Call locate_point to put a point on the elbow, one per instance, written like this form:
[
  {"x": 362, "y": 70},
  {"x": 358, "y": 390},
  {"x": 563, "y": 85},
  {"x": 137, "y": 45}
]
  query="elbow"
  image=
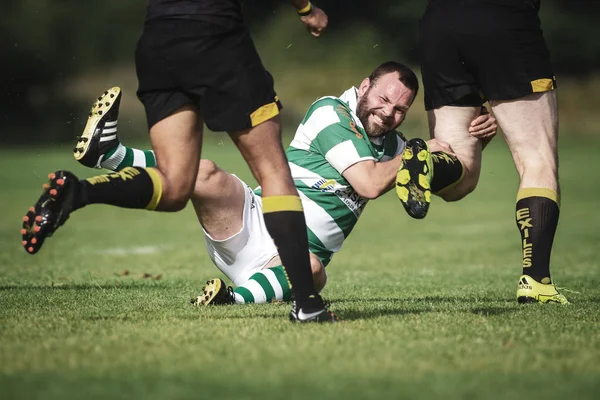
[{"x": 369, "y": 192}]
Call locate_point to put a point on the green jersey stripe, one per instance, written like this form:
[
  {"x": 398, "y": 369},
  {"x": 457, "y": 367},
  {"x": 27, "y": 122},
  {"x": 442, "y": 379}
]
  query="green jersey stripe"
[
  {"x": 321, "y": 223},
  {"x": 336, "y": 197},
  {"x": 318, "y": 248},
  {"x": 320, "y": 119}
]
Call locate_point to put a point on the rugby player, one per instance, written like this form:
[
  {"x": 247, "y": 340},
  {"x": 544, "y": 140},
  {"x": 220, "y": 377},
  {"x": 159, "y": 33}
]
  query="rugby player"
[
  {"x": 196, "y": 63},
  {"x": 345, "y": 152},
  {"x": 494, "y": 50}
]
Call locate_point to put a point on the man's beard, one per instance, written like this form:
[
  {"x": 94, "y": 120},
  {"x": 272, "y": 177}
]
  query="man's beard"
[{"x": 363, "y": 112}]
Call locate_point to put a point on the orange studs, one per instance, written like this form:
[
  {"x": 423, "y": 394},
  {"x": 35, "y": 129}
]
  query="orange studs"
[
  {"x": 38, "y": 218},
  {"x": 36, "y": 228},
  {"x": 45, "y": 186},
  {"x": 23, "y": 231},
  {"x": 30, "y": 249},
  {"x": 26, "y": 219},
  {"x": 51, "y": 176},
  {"x": 60, "y": 181},
  {"x": 24, "y": 242},
  {"x": 31, "y": 209},
  {"x": 53, "y": 192},
  {"x": 33, "y": 241}
]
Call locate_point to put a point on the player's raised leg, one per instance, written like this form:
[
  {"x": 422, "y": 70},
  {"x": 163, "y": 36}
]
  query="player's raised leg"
[
  {"x": 530, "y": 126},
  {"x": 176, "y": 140},
  {"x": 283, "y": 213},
  {"x": 455, "y": 177}
]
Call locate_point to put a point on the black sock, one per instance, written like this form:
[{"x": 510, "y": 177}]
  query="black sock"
[
  {"x": 132, "y": 187},
  {"x": 285, "y": 222},
  {"x": 447, "y": 171},
  {"x": 537, "y": 217}
]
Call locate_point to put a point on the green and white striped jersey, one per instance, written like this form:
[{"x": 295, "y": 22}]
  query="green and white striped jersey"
[{"x": 330, "y": 139}]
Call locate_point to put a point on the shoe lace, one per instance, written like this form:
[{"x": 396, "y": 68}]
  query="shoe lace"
[
  {"x": 230, "y": 295},
  {"x": 564, "y": 289}
]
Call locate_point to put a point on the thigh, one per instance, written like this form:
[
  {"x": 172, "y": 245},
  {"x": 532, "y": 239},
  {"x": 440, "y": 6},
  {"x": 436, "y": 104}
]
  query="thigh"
[
  {"x": 219, "y": 199},
  {"x": 246, "y": 251},
  {"x": 451, "y": 124},
  {"x": 176, "y": 141},
  {"x": 530, "y": 127}
]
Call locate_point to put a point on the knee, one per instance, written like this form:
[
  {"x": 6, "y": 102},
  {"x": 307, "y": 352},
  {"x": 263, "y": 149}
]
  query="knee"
[
  {"x": 318, "y": 273},
  {"x": 176, "y": 193},
  {"x": 206, "y": 171}
]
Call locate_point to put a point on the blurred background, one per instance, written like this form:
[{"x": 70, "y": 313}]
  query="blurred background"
[{"x": 57, "y": 56}]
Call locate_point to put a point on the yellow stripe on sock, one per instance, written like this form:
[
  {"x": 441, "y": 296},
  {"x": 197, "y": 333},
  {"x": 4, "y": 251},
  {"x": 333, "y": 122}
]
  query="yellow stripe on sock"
[
  {"x": 538, "y": 192},
  {"x": 157, "y": 188},
  {"x": 264, "y": 113},
  {"x": 281, "y": 203}
]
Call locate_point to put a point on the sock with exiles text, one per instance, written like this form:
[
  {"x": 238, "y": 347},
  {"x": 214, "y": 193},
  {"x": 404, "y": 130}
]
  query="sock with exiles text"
[
  {"x": 132, "y": 187},
  {"x": 537, "y": 213},
  {"x": 264, "y": 286},
  {"x": 284, "y": 219}
]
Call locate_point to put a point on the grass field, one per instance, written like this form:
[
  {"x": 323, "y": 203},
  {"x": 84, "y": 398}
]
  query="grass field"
[{"x": 429, "y": 306}]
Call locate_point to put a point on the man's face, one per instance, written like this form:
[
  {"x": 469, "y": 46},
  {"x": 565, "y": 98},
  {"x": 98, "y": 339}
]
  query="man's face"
[{"x": 382, "y": 106}]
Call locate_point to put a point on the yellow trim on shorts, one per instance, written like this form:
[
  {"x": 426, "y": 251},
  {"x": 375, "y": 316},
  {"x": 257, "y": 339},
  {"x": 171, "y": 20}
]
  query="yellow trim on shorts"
[
  {"x": 538, "y": 192},
  {"x": 281, "y": 203},
  {"x": 542, "y": 85},
  {"x": 305, "y": 9},
  {"x": 264, "y": 113},
  {"x": 156, "y": 188}
]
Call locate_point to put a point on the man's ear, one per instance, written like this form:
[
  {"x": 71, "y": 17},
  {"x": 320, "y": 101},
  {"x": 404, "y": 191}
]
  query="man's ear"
[{"x": 364, "y": 86}]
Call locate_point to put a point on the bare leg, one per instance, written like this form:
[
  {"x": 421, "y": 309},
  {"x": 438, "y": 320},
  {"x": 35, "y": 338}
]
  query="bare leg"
[
  {"x": 218, "y": 200},
  {"x": 177, "y": 142},
  {"x": 262, "y": 149},
  {"x": 451, "y": 124},
  {"x": 530, "y": 127}
]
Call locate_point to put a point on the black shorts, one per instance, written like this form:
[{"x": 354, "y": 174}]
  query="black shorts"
[
  {"x": 213, "y": 67},
  {"x": 477, "y": 50}
]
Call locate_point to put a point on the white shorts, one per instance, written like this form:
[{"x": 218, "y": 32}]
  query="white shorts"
[{"x": 242, "y": 255}]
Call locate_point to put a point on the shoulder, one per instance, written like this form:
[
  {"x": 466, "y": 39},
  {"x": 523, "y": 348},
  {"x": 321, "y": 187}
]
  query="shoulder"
[{"x": 331, "y": 107}]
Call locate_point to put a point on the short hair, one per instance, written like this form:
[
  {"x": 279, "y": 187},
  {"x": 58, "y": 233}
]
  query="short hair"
[{"x": 405, "y": 75}]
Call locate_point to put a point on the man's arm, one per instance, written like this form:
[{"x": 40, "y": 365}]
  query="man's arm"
[
  {"x": 314, "y": 18},
  {"x": 371, "y": 179}
]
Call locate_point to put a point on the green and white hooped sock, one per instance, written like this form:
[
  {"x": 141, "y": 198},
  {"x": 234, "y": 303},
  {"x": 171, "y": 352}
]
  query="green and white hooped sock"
[
  {"x": 264, "y": 286},
  {"x": 122, "y": 157}
]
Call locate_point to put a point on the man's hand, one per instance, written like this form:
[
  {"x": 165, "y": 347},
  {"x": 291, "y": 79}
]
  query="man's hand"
[
  {"x": 316, "y": 21},
  {"x": 484, "y": 127}
]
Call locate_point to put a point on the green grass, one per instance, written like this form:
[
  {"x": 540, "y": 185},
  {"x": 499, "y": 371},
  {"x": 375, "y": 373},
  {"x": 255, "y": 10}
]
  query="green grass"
[{"x": 429, "y": 306}]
